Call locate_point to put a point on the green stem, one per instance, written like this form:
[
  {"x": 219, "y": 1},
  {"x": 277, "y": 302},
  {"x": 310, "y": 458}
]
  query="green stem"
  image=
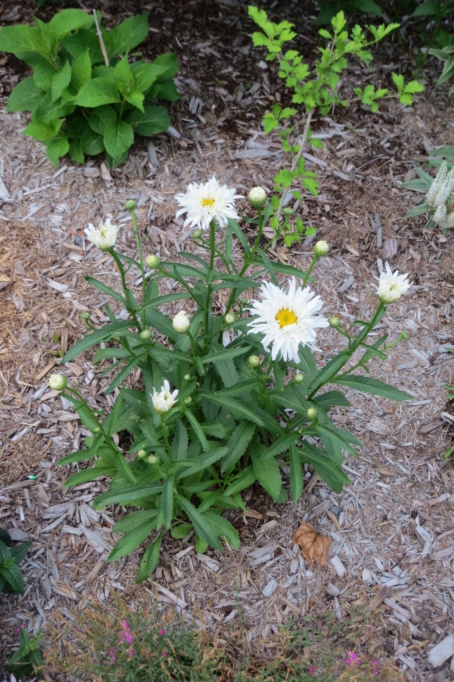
[
  {"x": 306, "y": 276},
  {"x": 142, "y": 269},
  {"x": 354, "y": 346},
  {"x": 125, "y": 288},
  {"x": 166, "y": 437},
  {"x": 210, "y": 278}
]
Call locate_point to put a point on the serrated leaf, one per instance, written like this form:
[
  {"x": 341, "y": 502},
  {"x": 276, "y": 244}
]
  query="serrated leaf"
[
  {"x": 25, "y": 96},
  {"x": 202, "y": 526},
  {"x": 150, "y": 560},
  {"x": 151, "y": 121},
  {"x": 81, "y": 71},
  {"x": 268, "y": 473},
  {"x": 60, "y": 81},
  {"x": 126, "y": 35},
  {"x": 131, "y": 540},
  {"x": 374, "y": 386},
  {"x": 57, "y": 147},
  {"x": 96, "y": 93}
]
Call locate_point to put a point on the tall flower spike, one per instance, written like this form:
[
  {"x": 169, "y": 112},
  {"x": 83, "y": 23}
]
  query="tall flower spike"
[
  {"x": 287, "y": 319},
  {"x": 104, "y": 236},
  {"x": 391, "y": 285},
  {"x": 204, "y": 203}
]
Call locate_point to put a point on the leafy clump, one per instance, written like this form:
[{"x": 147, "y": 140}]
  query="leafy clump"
[
  {"x": 84, "y": 98},
  {"x": 11, "y": 579}
]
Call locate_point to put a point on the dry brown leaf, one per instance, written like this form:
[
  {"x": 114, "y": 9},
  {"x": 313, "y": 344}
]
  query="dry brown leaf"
[{"x": 315, "y": 547}]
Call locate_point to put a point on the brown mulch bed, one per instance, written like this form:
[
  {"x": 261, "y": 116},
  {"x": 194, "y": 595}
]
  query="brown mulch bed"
[{"x": 391, "y": 530}]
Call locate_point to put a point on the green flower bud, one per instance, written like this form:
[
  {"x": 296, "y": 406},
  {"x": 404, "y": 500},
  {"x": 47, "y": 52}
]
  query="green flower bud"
[
  {"x": 312, "y": 413},
  {"x": 321, "y": 248},
  {"x": 130, "y": 205},
  {"x": 404, "y": 336},
  {"x": 58, "y": 382},
  {"x": 257, "y": 197},
  {"x": 244, "y": 301},
  {"x": 197, "y": 234},
  {"x": 141, "y": 454},
  {"x": 188, "y": 400},
  {"x": 288, "y": 211},
  {"x": 334, "y": 322},
  {"x": 254, "y": 361},
  {"x": 298, "y": 378},
  {"x": 230, "y": 318},
  {"x": 152, "y": 459},
  {"x": 152, "y": 261},
  {"x": 145, "y": 335},
  {"x": 187, "y": 377},
  {"x": 97, "y": 429},
  {"x": 85, "y": 316}
]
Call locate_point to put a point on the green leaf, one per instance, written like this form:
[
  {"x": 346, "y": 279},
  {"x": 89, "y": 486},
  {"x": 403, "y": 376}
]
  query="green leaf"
[
  {"x": 136, "y": 99},
  {"x": 267, "y": 472},
  {"x": 81, "y": 71},
  {"x": 245, "y": 479},
  {"x": 127, "y": 494},
  {"x": 42, "y": 131},
  {"x": 181, "y": 531},
  {"x": 169, "y": 63},
  {"x": 126, "y": 35},
  {"x": 131, "y": 540},
  {"x": 60, "y": 81},
  {"x": 235, "y": 406},
  {"x": 101, "y": 117},
  {"x": 91, "y": 143},
  {"x": 150, "y": 560},
  {"x": 197, "y": 429},
  {"x": 202, "y": 526},
  {"x": 118, "y": 137},
  {"x": 180, "y": 443},
  {"x": 296, "y": 474},
  {"x": 225, "y": 354},
  {"x": 329, "y": 471},
  {"x": 151, "y": 121},
  {"x": 282, "y": 444},
  {"x": 95, "y": 337},
  {"x": 430, "y": 8},
  {"x": 238, "y": 444},
  {"x": 19, "y": 552},
  {"x": 25, "y": 96},
  {"x": 144, "y": 75},
  {"x": 13, "y": 576},
  {"x": 123, "y": 76},
  {"x": 69, "y": 20},
  {"x": 58, "y": 146},
  {"x": 374, "y": 386},
  {"x": 17, "y": 39},
  {"x": 167, "y": 500},
  {"x": 97, "y": 92},
  {"x": 398, "y": 80}
]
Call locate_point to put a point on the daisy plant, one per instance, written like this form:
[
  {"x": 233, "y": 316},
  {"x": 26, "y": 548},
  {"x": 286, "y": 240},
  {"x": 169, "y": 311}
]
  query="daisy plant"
[{"x": 229, "y": 387}]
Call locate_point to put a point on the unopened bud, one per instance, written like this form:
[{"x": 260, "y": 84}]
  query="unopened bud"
[
  {"x": 152, "y": 261},
  {"x": 85, "y": 316},
  {"x": 197, "y": 234},
  {"x": 58, "y": 382},
  {"x": 141, "y": 454},
  {"x": 181, "y": 322},
  {"x": 312, "y": 413},
  {"x": 188, "y": 400},
  {"x": 321, "y": 248},
  {"x": 152, "y": 459},
  {"x": 298, "y": 378},
  {"x": 230, "y": 318},
  {"x": 288, "y": 211},
  {"x": 334, "y": 322},
  {"x": 244, "y": 301},
  {"x": 130, "y": 205},
  {"x": 404, "y": 336},
  {"x": 257, "y": 197},
  {"x": 97, "y": 429},
  {"x": 145, "y": 335},
  {"x": 254, "y": 361},
  {"x": 187, "y": 377}
]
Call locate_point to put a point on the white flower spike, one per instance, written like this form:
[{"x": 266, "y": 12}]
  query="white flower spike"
[
  {"x": 104, "y": 236},
  {"x": 391, "y": 285},
  {"x": 204, "y": 203},
  {"x": 181, "y": 322},
  {"x": 165, "y": 399},
  {"x": 287, "y": 319}
]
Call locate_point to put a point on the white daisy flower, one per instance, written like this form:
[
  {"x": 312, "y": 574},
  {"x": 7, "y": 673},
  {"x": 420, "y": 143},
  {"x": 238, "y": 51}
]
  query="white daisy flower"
[
  {"x": 165, "y": 399},
  {"x": 391, "y": 285},
  {"x": 287, "y": 320},
  {"x": 104, "y": 236},
  {"x": 204, "y": 203}
]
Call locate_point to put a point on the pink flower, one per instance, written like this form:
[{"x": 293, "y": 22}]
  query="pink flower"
[
  {"x": 164, "y": 654},
  {"x": 352, "y": 659},
  {"x": 131, "y": 652},
  {"x": 162, "y": 631},
  {"x": 312, "y": 670},
  {"x": 375, "y": 667},
  {"x": 125, "y": 624}
]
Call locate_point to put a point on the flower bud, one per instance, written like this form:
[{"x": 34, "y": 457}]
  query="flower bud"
[
  {"x": 97, "y": 429},
  {"x": 130, "y": 205},
  {"x": 257, "y": 197},
  {"x": 145, "y": 334},
  {"x": 254, "y": 361},
  {"x": 312, "y": 413},
  {"x": 58, "y": 382},
  {"x": 141, "y": 454},
  {"x": 334, "y": 322},
  {"x": 197, "y": 234},
  {"x": 187, "y": 377},
  {"x": 181, "y": 322},
  {"x": 404, "y": 336},
  {"x": 152, "y": 459},
  {"x": 288, "y": 211},
  {"x": 244, "y": 301},
  {"x": 298, "y": 378},
  {"x": 321, "y": 248},
  {"x": 188, "y": 400},
  {"x": 230, "y": 318},
  {"x": 85, "y": 316},
  {"x": 152, "y": 261}
]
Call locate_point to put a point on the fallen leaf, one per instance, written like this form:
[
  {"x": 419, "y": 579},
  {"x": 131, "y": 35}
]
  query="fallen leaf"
[{"x": 315, "y": 547}]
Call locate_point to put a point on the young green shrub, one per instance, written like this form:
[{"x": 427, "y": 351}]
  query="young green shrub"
[
  {"x": 85, "y": 95},
  {"x": 11, "y": 580},
  {"x": 316, "y": 91},
  {"x": 28, "y": 659},
  {"x": 228, "y": 400}
]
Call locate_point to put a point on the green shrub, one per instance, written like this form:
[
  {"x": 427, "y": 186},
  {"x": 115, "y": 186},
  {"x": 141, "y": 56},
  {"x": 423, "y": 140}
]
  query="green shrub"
[
  {"x": 85, "y": 98},
  {"x": 11, "y": 580}
]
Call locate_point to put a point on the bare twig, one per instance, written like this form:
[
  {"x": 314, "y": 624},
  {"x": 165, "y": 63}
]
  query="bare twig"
[{"x": 101, "y": 41}]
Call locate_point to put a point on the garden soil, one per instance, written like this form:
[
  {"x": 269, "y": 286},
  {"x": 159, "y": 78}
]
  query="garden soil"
[{"x": 389, "y": 582}]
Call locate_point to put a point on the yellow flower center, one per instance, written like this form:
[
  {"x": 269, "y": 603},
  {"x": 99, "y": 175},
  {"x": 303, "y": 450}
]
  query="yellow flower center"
[
  {"x": 286, "y": 317},
  {"x": 207, "y": 202}
]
